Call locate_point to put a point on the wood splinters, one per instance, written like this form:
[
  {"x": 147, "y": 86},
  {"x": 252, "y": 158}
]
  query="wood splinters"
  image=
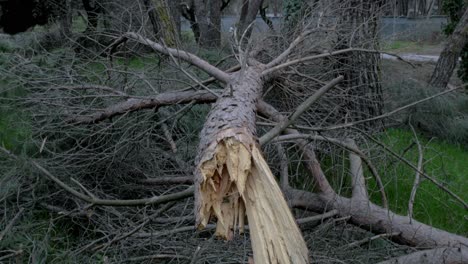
[{"x": 237, "y": 182}]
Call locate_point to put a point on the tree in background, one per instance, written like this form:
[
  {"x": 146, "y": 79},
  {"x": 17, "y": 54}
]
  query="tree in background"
[
  {"x": 455, "y": 46},
  {"x": 359, "y": 28},
  {"x": 454, "y": 10}
]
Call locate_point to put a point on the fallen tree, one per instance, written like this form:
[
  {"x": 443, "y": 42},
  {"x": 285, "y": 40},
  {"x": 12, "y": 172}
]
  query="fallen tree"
[{"x": 233, "y": 182}]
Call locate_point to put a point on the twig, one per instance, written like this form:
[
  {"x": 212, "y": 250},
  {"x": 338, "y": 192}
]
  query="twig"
[
  {"x": 346, "y": 146},
  {"x": 186, "y": 56},
  {"x": 105, "y": 202},
  {"x": 284, "y": 174},
  {"x": 351, "y": 124},
  {"x": 314, "y": 218},
  {"x": 11, "y": 224},
  {"x": 14, "y": 254},
  {"x": 168, "y": 137},
  {"x": 369, "y": 239},
  {"x": 299, "y": 110},
  {"x": 163, "y": 99},
  {"x": 323, "y": 55},
  {"x": 417, "y": 176},
  {"x": 157, "y": 256},
  {"x": 168, "y": 180}
]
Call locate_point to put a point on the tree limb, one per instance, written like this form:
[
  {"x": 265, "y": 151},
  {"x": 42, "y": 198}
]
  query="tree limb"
[
  {"x": 186, "y": 56},
  {"x": 299, "y": 110},
  {"x": 163, "y": 99}
]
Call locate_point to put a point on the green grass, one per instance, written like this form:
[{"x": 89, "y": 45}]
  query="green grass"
[
  {"x": 403, "y": 46},
  {"x": 448, "y": 163}
]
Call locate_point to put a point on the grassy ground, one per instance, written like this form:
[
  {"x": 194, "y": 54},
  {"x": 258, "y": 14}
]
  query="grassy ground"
[
  {"x": 444, "y": 161},
  {"x": 401, "y": 46}
]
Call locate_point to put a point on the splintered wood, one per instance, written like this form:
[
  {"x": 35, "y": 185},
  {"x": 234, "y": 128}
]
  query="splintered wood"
[{"x": 237, "y": 181}]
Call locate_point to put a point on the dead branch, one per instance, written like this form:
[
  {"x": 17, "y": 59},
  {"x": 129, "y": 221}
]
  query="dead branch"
[
  {"x": 300, "y": 109},
  {"x": 348, "y": 147},
  {"x": 271, "y": 70},
  {"x": 352, "y": 124},
  {"x": 163, "y": 99},
  {"x": 417, "y": 176},
  {"x": 284, "y": 173},
  {"x": 358, "y": 183},
  {"x": 310, "y": 159},
  {"x": 105, "y": 202},
  {"x": 11, "y": 224},
  {"x": 168, "y": 180},
  {"x": 186, "y": 56},
  {"x": 377, "y": 219},
  {"x": 369, "y": 239}
]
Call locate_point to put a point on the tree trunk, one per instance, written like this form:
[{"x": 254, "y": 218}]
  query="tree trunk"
[
  {"x": 450, "y": 54},
  {"x": 92, "y": 9},
  {"x": 249, "y": 11},
  {"x": 358, "y": 23},
  {"x": 233, "y": 179},
  {"x": 66, "y": 19},
  {"x": 208, "y": 19},
  {"x": 163, "y": 23}
]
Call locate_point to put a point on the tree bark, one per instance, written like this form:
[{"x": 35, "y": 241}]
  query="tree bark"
[
  {"x": 232, "y": 178},
  {"x": 163, "y": 21},
  {"x": 378, "y": 220},
  {"x": 249, "y": 11},
  {"x": 358, "y": 28},
  {"x": 450, "y": 54},
  {"x": 208, "y": 20}
]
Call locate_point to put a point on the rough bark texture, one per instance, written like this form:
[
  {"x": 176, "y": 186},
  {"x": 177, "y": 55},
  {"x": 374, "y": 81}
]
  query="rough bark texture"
[
  {"x": 163, "y": 21},
  {"x": 208, "y": 20},
  {"x": 360, "y": 69},
  {"x": 249, "y": 11},
  {"x": 450, "y": 54},
  {"x": 232, "y": 178}
]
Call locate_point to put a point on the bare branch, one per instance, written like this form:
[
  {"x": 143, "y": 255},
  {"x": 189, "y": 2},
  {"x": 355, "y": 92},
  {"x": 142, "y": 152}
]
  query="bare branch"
[
  {"x": 11, "y": 224},
  {"x": 186, "y": 56},
  {"x": 284, "y": 174},
  {"x": 354, "y": 149},
  {"x": 300, "y": 109},
  {"x": 369, "y": 239},
  {"x": 351, "y": 124},
  {"x": 310, "y": 159},
  {"x": 417, "y": 176},
  {"x": 358, "y": 184},
  {"x": 131, "y": 105},
  {"x": 319, "y": 56}
]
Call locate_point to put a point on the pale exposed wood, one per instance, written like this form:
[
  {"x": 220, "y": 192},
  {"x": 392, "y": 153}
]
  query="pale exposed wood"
[
  {"x": 232, "y": 178},
  {"x": 358, "y": 182}
]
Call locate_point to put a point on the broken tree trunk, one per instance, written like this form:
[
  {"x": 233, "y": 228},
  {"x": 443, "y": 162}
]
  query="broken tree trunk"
[{"x": 233, "y": 179}]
